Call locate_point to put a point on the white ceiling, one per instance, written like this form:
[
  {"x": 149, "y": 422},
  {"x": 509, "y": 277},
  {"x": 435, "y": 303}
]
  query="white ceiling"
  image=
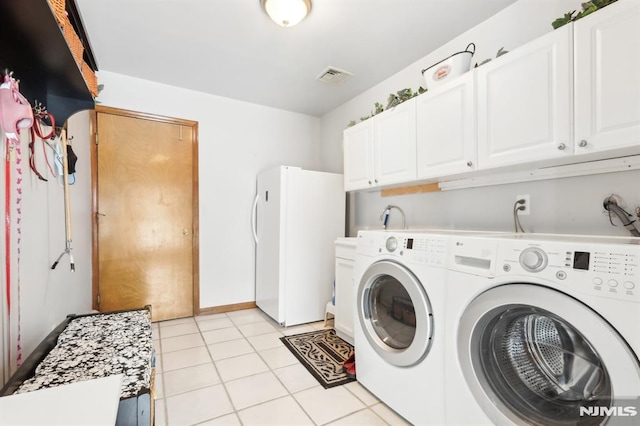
[{"x": 231, "y": 48}]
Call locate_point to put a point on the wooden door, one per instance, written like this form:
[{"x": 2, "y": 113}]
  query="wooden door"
[{"x": 146, "y": 213}]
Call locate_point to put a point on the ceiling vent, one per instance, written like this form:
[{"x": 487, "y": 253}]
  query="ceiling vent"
[{"x": 333, "y": 75}]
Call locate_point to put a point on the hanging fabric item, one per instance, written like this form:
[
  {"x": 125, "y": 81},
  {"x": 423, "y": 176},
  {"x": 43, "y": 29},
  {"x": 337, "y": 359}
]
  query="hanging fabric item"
[
  {"x": 72, "y": 159},
  {"x": 15, "y": 110},
  {"x": 40, "y": 114},
  {"x": 32, "y": 156},
  {"x": 7, "y": 230},
  {"x": 58, "y": 159},
  {"x": 15, "y": 115},
  {"x": 18, "y": 204},
  {"x": 61, "y": 153},
  {"x": 7, "y": 243}
]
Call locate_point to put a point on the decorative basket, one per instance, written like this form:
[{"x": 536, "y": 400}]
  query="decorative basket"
[
  {"x": 59, "y": 10},
  {"x": 445, "y": 70},
  {"x": 90, "y": 78},
  {"x": 77, "y": 49}
]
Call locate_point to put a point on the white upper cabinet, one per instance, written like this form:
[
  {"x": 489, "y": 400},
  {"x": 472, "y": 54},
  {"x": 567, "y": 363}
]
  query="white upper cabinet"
[
  {"x": 381, "y": 150},
  {"x": 607, "y": 78},
  {"x": 572, "y": 95},
  {"x": 395, "y": 144},
  {"x": 524, "y": 102},
  {"x": 358, "y": 156},
  {"x": 446, "y": 133}
]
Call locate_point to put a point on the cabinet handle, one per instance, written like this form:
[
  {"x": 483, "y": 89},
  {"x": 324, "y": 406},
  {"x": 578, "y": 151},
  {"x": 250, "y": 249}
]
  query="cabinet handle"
[
  {"x": 469, "y": 163},
  {"x": 376, "y": 180},
  {"x": 561, "y": 146},
  {"x": 369, "y": 182},
  {"x": 582, "y": 143}
]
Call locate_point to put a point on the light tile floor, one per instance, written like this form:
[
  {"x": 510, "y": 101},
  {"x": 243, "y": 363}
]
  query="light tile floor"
[{"x": 232, "y": 369}]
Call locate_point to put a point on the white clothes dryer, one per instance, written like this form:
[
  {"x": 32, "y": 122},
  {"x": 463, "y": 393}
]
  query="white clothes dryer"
[
  {"x": 543, "y": 330},
  {"x": 399, "y": 324}
]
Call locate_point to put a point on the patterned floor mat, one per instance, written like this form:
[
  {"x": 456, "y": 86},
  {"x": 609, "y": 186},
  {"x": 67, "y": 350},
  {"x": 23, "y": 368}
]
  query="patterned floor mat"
[{"x": 322, "y": 353}]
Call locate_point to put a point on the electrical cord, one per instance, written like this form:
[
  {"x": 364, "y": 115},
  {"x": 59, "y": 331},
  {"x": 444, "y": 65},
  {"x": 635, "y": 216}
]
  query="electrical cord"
[{"x": 518, "y": 206}]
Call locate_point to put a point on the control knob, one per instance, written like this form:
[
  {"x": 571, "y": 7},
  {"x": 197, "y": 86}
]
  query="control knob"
[
  {"x": 533, "y": 259},
  {"x": 391, "y": 244}
]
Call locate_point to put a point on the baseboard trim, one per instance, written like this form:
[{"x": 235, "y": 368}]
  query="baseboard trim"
[{"x": 226, "y": 308}]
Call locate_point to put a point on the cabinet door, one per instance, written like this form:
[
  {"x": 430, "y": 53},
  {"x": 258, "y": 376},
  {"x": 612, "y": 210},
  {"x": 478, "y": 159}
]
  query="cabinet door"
[
  {"x": 607, "y": 82},
  {"x": 446, "y": 134},
  {"x": 345, "y": 298},
  {"x": 358, "y": 156},
  {"x": 395, "y": 142},
  {"x": 524, "y": 102}
]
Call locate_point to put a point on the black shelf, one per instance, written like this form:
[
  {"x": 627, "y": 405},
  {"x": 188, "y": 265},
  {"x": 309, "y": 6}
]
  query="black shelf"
[{"x": 34, "y": 48}]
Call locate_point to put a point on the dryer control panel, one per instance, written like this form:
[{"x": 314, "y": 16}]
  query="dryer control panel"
[
  {"x": 425, "y": 249},
  {"x": 606, "y": 270}
]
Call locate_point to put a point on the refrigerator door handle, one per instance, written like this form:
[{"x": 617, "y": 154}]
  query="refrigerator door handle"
[{"x": 254, "y": 218}]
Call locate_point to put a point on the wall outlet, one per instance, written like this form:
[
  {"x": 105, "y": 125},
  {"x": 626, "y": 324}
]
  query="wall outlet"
[{"x": 527, "y": 204}]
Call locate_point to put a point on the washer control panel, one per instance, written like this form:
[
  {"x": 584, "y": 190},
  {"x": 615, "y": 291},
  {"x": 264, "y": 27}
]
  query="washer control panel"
[
  {"x": 607, "y": 270},
  {"x": 427, "y": 249}
]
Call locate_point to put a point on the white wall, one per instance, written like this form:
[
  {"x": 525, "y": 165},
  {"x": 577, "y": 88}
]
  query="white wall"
[
  {"x": 568, "y": 205},
  {"x": 562, "y": 205},
  {"x": 236, "y": 141},
  {"x": 47, "y": 296}
]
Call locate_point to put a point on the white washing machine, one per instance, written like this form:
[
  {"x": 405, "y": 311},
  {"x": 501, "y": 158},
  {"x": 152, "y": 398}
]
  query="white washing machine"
[
  {"x": 543, "y": 330},
  {"x": 399, "y": 324}
]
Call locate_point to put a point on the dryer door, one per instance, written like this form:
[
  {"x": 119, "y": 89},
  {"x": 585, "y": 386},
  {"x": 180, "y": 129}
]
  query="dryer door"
[
  {"x": 395, "y": 313},
  {"x": 535, "y": 355}
]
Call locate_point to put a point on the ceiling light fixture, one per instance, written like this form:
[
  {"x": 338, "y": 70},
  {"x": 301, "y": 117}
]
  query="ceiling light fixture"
[{"x": 287, "y": 12}]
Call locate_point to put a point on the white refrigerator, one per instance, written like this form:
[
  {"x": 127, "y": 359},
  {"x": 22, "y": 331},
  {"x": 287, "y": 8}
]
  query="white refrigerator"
[{"x": 297, "y": 216}]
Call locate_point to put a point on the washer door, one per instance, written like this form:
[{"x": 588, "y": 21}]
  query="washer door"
[
  {"x": 395, "y": 313},
  {"x": 533, "y": 354}
]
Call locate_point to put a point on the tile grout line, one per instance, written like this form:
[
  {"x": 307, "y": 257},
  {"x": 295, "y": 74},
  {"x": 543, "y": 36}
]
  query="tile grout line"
[
  {"x": 164, "y": 397},
  {"x": 285, "y": 387},
  {"x": 271, "y": 370},
  {"x": 257, "y": 352},
  {"x": 222, "y": 382}
]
